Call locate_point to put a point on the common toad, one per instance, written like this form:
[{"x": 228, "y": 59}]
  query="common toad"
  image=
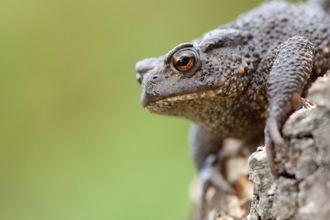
[{"x": 241, "y": 80}]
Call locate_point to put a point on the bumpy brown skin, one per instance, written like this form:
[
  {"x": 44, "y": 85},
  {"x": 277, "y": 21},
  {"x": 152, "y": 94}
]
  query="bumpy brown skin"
[{"x": 249, "y": 76}]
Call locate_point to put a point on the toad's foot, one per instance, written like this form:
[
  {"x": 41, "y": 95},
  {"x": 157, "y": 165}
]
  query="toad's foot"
[{"x": 210, "y": 176}]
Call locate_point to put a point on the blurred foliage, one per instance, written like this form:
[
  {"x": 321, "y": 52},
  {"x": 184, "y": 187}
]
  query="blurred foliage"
[{"x": 75, "y": 142}]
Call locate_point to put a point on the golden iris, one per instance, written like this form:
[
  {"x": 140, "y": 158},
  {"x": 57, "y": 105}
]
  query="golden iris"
[{"x": 184, "y": 60}]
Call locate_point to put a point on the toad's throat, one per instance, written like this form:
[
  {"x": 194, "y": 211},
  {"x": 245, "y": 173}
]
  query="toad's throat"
[{"x": 159, "y": 106}]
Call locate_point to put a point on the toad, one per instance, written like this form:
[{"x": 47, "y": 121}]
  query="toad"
[{"x": 241, "y": 80}]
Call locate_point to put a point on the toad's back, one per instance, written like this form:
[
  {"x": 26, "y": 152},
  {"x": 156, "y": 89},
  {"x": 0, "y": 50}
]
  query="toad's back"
[{"x": 274, "y": 22}]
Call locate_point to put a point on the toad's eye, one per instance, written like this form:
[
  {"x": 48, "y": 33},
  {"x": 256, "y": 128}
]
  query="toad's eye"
[
  {"x": 184, "y": 60},
  {"x": 139, "y": 78}
]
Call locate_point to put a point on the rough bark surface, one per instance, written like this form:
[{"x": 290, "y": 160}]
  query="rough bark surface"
[{"x": 303, "y": 189}]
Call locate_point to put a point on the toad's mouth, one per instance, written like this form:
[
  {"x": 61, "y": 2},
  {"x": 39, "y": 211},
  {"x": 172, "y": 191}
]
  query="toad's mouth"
[{"x": 170, "y": 102}]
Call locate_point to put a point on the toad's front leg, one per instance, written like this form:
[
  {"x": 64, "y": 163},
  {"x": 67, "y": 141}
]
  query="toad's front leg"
[{"x": 290, "y": 73}]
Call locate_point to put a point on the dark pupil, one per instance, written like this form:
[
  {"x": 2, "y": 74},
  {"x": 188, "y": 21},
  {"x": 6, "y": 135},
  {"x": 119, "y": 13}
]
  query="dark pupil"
[{"x": 183, "y": 61}]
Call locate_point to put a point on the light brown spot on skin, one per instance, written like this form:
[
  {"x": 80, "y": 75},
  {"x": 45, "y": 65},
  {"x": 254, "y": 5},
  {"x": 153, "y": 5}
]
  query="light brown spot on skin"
[
  {"x": 241, "y": 70},
  {"x": 296, "y": 101}
]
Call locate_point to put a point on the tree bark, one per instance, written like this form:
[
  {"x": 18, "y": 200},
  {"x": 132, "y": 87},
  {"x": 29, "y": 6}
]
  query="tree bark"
[{"x": 302, "y": 190}]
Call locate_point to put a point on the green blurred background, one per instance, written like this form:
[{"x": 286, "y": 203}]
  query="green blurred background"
[{"x": 75, "y": 142}]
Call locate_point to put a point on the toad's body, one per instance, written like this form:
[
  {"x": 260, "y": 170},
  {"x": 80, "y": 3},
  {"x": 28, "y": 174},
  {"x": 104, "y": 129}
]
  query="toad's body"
[{"x": 243, "y": 76}]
